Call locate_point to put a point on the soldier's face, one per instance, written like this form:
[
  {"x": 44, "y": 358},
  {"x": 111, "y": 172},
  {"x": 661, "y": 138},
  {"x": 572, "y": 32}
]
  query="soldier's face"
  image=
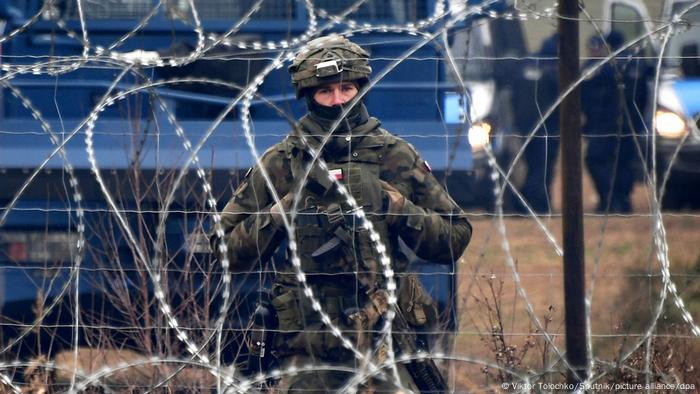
[{"x": 335, "y": 93}]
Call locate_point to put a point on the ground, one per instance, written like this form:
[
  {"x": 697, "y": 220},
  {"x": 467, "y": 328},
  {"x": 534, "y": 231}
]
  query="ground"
[{"x": 622, "y": 276}]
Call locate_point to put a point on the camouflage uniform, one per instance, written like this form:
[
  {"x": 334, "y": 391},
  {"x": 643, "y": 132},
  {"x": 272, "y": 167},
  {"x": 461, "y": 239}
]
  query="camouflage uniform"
[{"x": 339, "y": 259}]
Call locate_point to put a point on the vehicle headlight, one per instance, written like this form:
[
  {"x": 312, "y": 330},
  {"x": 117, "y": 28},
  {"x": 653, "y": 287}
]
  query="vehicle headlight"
[
  {"x": 670, "y": 124},
  {"x": 479, "y": 136}
]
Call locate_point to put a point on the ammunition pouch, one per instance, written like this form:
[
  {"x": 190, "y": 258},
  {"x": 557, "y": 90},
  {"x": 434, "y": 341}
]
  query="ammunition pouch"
[
  {"x": 302, "y": 331},
  {"x": 416, "y": 303},
  {"x": 294, "y": 311}
]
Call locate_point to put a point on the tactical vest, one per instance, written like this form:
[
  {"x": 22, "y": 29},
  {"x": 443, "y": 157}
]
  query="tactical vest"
[
  {"x": 337, "y": 255},
  {"x": 339, "y": 259}
]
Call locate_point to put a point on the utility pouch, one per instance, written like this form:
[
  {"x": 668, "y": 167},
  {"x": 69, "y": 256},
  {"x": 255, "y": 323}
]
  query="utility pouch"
[
  {"x": 415, "y": 302},
  {"x": 303, "y": 332},
  {"x": 286, "y": 306}
]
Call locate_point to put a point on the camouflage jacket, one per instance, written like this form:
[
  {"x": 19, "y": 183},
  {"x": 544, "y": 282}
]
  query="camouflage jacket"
[{"x": 431, "y": 223}]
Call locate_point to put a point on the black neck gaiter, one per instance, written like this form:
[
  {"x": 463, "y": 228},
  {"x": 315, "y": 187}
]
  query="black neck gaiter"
[{"x": 327, "y": 116}]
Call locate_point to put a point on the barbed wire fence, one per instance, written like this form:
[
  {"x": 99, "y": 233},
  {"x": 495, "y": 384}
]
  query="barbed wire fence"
[{"x": 176, "y": 317}]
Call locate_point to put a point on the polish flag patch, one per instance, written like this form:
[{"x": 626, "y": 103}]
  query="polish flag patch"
[{"x": 337, "y": 174}]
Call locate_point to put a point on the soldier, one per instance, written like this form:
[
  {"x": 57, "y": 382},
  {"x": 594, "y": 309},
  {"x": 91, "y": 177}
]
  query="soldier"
[
  {"x": 395, "y": 188},
  {"x": 613, "y": 102},
  {"x": 537, "y": 91}
]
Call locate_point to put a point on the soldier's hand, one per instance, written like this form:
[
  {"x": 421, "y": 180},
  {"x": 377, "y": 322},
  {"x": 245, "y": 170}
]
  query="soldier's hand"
[
  {"x": 396, "y": 202},
  {"x": 280, "y": 208}
]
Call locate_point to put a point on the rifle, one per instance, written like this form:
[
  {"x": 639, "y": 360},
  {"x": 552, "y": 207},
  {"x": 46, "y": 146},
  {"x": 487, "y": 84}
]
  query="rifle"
[{"x": 423, "y": 370}]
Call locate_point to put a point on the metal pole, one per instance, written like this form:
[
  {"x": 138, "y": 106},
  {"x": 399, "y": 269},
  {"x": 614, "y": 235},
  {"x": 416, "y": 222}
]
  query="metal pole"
[{"x": 572, "y": 192}]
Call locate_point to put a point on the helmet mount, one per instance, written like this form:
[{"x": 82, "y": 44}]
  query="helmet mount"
[{"x": 329, "y": 59}]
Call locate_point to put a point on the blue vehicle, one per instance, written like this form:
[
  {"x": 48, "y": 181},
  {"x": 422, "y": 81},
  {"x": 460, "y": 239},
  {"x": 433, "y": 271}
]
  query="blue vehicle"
[
  {"x": 72, "y": 244},
  {"x": 677, "y": 115}
]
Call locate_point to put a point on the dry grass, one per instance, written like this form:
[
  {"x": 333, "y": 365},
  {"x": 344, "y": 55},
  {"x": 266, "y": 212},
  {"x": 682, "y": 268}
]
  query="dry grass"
[{"x": 622, "y": 272}]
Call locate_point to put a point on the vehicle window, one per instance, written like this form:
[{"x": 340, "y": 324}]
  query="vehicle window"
[
  {"x": 508, "y": 38},
  {"x": 473, "y": 51},
  {"x": 176, "y": 9},
  {"x": 686, "y": 37},
  {"x": 398, "y": 11},
  {"x": 627, "y": 21},
  {"x": 691, "y": 16}
]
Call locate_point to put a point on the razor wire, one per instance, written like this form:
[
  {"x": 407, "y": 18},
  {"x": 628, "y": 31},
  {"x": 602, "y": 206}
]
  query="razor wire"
[{"x": 438, "y": 24}]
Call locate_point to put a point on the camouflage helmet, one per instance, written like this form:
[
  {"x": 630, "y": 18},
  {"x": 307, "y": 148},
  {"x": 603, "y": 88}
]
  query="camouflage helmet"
[{"x": 329, "y": 59}]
